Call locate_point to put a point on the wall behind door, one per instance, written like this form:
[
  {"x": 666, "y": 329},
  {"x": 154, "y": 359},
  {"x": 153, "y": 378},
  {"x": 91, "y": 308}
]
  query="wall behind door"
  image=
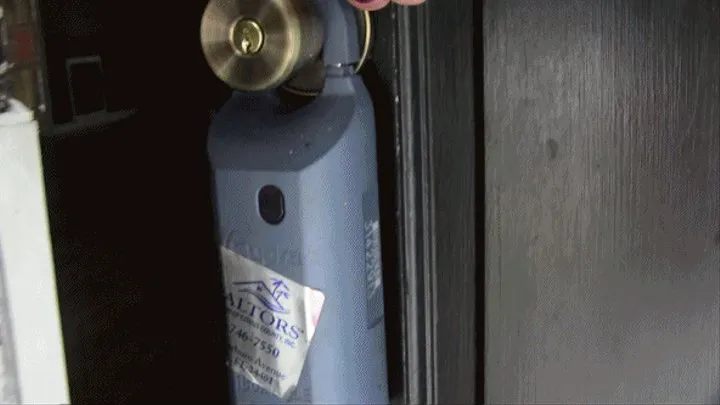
[{"x": 603, "y": 198}]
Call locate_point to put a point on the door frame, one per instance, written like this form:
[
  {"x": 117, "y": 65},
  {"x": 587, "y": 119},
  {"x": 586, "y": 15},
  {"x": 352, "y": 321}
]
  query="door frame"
[{"x": 436, "y": 184}]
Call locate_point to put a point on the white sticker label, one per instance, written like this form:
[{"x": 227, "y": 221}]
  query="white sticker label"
[{"x": 271, "y": 322}]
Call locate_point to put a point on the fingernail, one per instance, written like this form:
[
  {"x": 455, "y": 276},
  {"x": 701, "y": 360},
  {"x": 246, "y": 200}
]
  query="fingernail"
[{"x": 370, "y": 5}]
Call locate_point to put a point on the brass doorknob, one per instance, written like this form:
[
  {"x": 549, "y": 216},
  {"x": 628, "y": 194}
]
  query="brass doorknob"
[{"x": 255, "y": 45}]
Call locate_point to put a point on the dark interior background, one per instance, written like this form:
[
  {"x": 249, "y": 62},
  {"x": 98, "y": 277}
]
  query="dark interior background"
[{"x": 130, "y": 209}]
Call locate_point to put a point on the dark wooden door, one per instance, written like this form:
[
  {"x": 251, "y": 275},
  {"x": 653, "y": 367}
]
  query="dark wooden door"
[{"x": 602, "y": 162}]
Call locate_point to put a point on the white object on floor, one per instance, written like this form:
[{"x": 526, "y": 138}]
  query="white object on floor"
[{"x": 32, "y": 368}]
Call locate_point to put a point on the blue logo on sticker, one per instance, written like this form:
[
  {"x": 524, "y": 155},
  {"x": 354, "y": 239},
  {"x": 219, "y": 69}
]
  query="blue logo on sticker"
[{"x": 268, "y": 297}]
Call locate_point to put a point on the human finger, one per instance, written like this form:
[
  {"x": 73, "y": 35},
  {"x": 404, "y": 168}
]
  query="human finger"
[{"x": 369, "y": 5}]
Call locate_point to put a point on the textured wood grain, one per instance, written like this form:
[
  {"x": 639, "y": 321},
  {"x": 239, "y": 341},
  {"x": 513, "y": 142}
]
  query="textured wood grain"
[
  {"x": 450, "y": 184},
  {"x": 603, "y": 197}
]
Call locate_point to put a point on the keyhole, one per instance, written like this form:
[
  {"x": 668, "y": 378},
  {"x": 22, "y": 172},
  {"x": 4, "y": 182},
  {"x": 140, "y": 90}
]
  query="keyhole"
[
  {"x": 248, "y": 37},
  {"x": 245, "y": 44}
]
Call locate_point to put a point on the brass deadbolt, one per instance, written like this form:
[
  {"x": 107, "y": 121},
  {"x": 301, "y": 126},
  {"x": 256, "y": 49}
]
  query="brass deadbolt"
[{"x": 247, "y": 37}]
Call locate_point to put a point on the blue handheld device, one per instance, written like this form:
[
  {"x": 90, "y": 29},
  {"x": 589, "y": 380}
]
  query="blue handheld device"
[{"x": 296, "y": 201}]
